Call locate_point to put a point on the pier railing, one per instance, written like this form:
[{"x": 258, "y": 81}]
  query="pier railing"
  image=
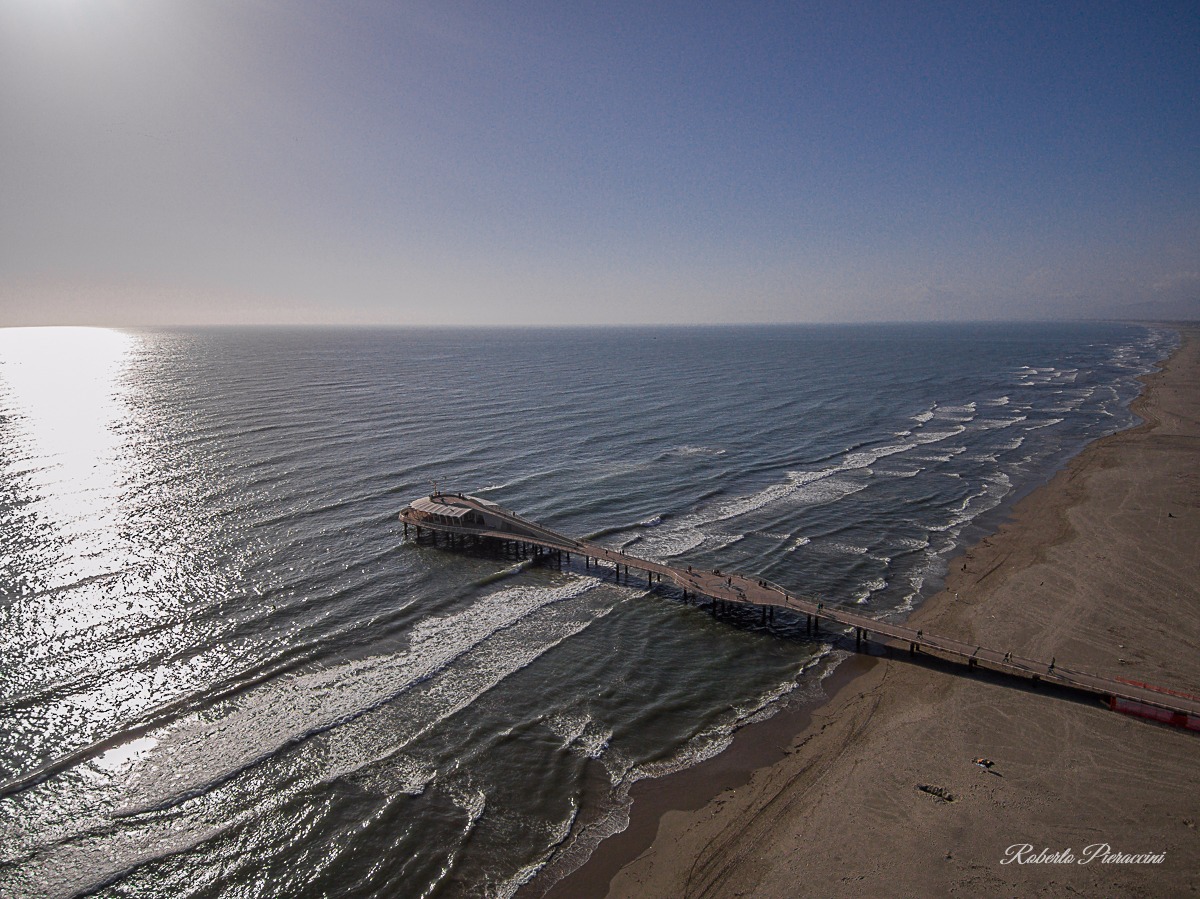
[{"x": 731, "y": 589}]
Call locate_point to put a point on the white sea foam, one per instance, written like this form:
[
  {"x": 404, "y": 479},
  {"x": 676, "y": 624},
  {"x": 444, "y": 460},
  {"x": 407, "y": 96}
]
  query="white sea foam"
[
  {"x": 403, "y": 773},
  {"x": 864, "y": 593},
  {"x": 939, "y": 457},
  {"x": 993, "y": 490},
  {"x": 390, "y": 728},
  {"x": 581, "y": 733},
  {"x": 199, "y": 745},
  {"x": 996, "y": 424},
  {"x": 912, "y": 544},
  {"x": 676, "y": 541},
  {"x": 694, "y": 530},
  {"x": 927, "y": 437},
  {"x": 1044, "y": 424},
  {"x": 800, "y": 487},
  {"x": 847, "y": 548},
  {"x": 818, "y": 487},
  {"x": 715, "y": 739},
  {"x": 696, "y": 451},
  {"x": 198, "y": 751},
  {"x": 828, "y": 491},
  {"x": 956, "y": 413},
  {"x": 472, "y": 801},
  {"x": 767, "y": 705}
]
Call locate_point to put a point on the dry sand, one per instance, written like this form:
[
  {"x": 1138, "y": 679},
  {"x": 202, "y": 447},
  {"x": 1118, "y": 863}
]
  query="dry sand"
[{"x": 1098, "y": 569}]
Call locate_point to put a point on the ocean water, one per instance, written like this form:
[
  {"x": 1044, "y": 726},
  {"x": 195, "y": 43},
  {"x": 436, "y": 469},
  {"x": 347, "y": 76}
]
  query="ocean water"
[{"x": 225, "y": 673}]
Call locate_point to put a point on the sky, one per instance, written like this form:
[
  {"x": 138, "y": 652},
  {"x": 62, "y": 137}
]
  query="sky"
[{"x": 193, "y": 162}]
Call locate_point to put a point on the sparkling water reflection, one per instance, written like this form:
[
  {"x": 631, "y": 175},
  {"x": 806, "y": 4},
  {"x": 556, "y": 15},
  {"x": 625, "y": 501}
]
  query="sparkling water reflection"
[
  {"x": 92, "y": 642},
  {"x": 65, "y": 398}
]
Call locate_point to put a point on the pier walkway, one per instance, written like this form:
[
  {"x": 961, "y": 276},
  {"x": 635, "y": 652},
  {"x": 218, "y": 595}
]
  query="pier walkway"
[{"x": 461, "y": 517}]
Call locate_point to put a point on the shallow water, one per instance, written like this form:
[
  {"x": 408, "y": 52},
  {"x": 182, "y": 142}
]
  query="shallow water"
[{"x": 223, "y": 672}]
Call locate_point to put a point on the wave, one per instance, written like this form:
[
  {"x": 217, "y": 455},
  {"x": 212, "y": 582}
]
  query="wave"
[
  {"x": 996, "y": 424},
  {"x": 581, "y": 733},
  {"x": 965, "y": 412},
  {"x": 869, "y": 589},
  {"x": 570, "y": 853},
  {"x": 689, "y": 451},
  {"x": 193, "y": 757},
  {"x": 1050, "y": 422},
  {"x": 490, "y": 488},
  {"x": 939, "y": 457},
  {"x": 816, "y": 487},
  {"x": 256, "y": 727},
  {"x": 994, "y": 488}
]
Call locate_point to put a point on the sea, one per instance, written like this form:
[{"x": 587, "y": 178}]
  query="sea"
[{"x": 225, "y": 671}]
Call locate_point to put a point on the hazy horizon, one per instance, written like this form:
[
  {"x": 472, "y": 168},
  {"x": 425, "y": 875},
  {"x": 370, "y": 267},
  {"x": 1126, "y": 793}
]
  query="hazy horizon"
[
  {"x": 458, "y": 164},
  {"x": 1170, "y": 323}
]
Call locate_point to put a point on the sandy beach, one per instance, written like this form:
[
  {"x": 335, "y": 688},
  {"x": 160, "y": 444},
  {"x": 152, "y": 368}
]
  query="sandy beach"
[{"x": 876, "y": 793}]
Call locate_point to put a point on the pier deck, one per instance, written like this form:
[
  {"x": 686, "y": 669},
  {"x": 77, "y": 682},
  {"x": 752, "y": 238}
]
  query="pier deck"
[{"x": 493, "y": 522}]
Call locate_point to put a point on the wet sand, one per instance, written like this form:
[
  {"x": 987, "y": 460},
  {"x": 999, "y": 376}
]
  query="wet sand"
[{"x": 1099, "y": 569}]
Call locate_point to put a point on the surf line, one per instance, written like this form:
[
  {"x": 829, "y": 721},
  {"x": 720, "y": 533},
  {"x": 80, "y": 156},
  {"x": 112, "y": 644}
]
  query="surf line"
[{"x": 463, "y": 520}]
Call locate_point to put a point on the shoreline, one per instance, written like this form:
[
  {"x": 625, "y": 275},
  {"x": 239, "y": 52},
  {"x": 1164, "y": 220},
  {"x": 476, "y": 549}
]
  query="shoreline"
[
  {"x": 753, "y": 747},
  {"x": 690, "y": 833}
]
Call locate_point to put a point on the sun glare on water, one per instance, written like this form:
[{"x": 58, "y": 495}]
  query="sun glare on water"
[{"x": 63, "y": 402}]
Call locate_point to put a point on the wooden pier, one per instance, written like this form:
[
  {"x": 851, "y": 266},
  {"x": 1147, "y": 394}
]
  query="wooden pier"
[{"x": 461, "y": 518}]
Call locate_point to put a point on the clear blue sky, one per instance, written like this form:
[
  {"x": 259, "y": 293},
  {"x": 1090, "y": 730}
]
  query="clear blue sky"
[{"x": 204, "y": 161}]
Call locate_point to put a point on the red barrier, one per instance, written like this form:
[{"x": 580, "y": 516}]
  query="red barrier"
[{"x": 1154, "y": 713}]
